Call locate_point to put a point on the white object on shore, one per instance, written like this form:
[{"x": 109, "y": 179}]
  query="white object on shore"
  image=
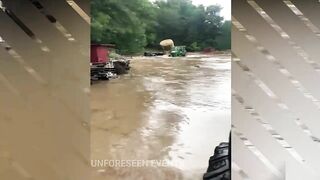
[{"x": 167, "y": 42}]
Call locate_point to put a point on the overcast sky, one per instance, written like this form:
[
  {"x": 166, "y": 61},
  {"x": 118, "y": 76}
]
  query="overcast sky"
[{"x": 225, "y": 4}]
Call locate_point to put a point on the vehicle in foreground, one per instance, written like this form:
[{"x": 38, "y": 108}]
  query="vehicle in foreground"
[{"x": 220, "y": 163}]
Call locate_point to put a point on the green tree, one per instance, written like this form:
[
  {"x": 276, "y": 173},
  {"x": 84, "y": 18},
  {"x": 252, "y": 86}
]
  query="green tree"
[
  {"x": 135, "y": 24},
  {"x": 122, "y": 22},
  {"x": 194, "y": 26},
  {"x": 224, "y": 40}
]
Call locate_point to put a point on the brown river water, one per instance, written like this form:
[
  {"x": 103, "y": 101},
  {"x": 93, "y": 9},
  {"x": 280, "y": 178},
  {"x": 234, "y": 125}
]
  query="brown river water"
[{"x": 171, "y": 109}]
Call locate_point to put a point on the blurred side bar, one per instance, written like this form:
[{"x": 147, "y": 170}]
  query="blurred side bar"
[
  {"x": 44, "y": 86},
  {"x": 275, "y": 103}
]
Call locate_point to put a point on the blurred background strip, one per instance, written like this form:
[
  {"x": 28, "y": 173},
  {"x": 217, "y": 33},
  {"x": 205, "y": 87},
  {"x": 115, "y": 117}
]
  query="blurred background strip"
[
  {"x": 44, "y": 86},
  {"x": 275, "y": 103}
]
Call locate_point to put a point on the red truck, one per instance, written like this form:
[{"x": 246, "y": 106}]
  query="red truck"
[
  {"x": 100, "y": 53},
  {"x": 104, "y": 68}
]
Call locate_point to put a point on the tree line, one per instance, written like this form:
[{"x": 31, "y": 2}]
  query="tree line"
[{"x": 137, "y": 25}]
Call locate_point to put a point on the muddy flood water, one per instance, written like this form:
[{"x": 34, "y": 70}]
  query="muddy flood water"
[{"x": 176, "y": 110}]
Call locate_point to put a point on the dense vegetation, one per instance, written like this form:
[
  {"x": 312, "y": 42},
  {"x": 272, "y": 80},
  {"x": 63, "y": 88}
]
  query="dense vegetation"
[{"x": 134, "y": 25}]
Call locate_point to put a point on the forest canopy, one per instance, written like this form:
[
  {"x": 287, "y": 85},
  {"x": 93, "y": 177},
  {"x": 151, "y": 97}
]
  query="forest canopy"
[{"x": 139, "y": 24}]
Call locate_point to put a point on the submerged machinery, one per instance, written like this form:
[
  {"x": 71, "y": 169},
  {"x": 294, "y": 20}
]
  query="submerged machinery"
[
  {"x": 174, "y": 51},
  {"x": 103, "y": 67}
]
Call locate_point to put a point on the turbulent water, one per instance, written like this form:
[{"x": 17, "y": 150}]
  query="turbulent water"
[{"x": 175, "y": 110}]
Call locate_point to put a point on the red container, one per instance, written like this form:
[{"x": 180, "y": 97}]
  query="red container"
[{"x": 100, "y": 53}]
